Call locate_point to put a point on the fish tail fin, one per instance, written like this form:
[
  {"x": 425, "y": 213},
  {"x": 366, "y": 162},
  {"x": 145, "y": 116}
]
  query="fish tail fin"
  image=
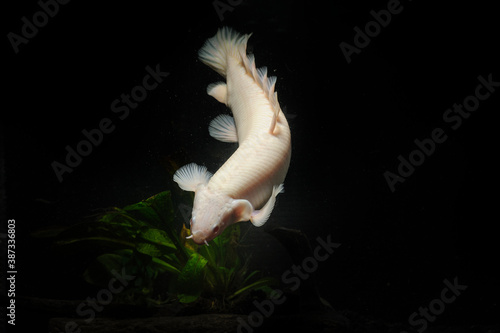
[
  {"x": 216, "y": 50},
  {"x": 228, "y": 42}
]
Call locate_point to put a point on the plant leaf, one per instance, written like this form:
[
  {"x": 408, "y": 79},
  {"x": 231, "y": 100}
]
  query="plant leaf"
[
  {"x": 156, "y": 243},
  {"x": 165, "y": 266},
  {"x": 48, "y": 232},
  {"x": 163, "y": 206},
  {"x": 102, "y": 241},
  {"x": 99, "y": 272},
  {"x": 144, "y": 212},
  {"x": 190, "y": 280},
  {"x": 264, "y": 282},
  {"x": 156, "y": 210}
]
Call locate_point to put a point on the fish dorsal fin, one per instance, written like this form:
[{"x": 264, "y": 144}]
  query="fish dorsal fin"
[
  {"x": 267, "y": 84},
  {"x": 229, "y": 43},
  {"x": 191, "y": 175}
]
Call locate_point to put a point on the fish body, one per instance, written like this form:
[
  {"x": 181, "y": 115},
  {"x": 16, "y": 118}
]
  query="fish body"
[{"x": 246, "y": 185}]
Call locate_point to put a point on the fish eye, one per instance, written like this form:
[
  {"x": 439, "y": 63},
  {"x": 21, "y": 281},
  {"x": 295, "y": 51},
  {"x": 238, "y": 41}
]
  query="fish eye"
[{"x": 216, "y": 229}]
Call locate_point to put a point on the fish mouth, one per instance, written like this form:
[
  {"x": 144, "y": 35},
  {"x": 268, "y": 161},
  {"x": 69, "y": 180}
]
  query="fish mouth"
[{"x": 199, "y": 237}]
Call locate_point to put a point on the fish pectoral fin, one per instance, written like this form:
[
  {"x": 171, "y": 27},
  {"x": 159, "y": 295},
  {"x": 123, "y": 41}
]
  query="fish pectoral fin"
[
  {"x": 242, "y": 210},
  {"x": 191, "y": 175},
  {"x": 218, "y": 90},
  {"x": 259, "y": 217},
  {"x": 223, "y": 128}
]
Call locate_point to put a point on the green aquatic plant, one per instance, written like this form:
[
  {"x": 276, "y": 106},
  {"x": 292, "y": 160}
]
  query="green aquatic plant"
[{"x": 142, "y": 240}]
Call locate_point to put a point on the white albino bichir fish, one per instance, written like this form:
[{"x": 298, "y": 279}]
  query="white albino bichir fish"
[{"x": 246, "y": 186}]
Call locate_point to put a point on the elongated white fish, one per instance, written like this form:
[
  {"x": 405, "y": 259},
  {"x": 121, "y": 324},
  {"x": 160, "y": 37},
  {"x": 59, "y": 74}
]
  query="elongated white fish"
[{"x": 246, "y": 186}]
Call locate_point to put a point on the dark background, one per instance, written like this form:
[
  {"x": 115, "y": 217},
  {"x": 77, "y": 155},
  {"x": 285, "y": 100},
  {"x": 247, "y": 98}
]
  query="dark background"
[{"x": 349, "y": 123}]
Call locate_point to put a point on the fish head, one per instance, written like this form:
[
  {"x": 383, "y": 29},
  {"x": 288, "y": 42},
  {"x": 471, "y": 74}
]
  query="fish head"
[{"x": 213, "y": 212}]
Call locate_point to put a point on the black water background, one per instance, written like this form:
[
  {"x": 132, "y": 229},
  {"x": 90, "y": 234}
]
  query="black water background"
[{"x": 351, "y": 122}]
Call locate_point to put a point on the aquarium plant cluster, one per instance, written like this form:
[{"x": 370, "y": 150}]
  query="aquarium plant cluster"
[{"x": 141, "y": 240}]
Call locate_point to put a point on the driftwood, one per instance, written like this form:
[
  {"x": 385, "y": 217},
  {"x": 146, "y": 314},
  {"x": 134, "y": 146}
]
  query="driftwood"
[
  {"x": 210, "y": 323},
  {"x": 56, "y": 316}
]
